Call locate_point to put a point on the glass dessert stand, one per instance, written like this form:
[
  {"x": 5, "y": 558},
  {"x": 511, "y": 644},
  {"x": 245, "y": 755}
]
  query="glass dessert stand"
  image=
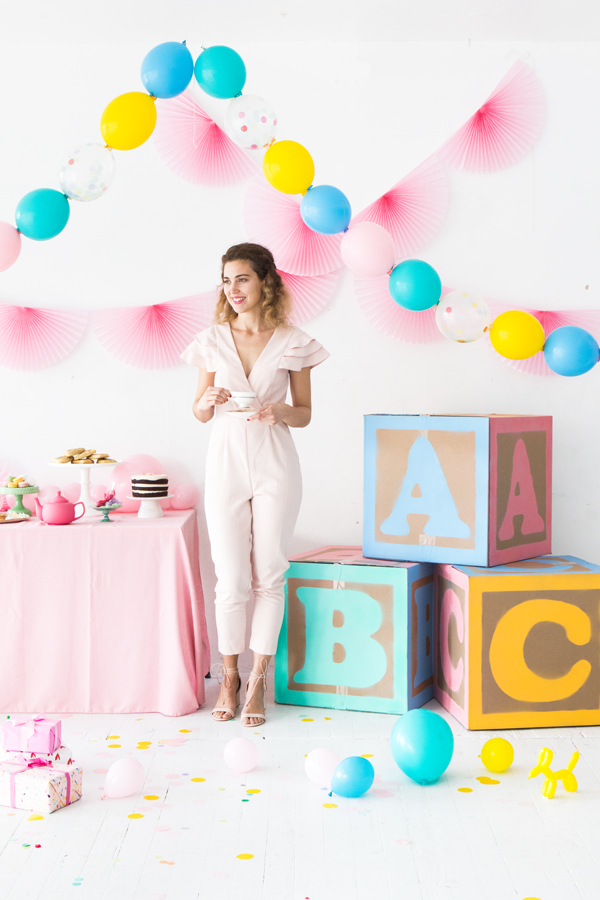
[
  {"x": 150, "y": 507},
  {"x": 86, "y": 498},
  {"x": 106, "y": 510},
  {"x": 19, "y": 511}
]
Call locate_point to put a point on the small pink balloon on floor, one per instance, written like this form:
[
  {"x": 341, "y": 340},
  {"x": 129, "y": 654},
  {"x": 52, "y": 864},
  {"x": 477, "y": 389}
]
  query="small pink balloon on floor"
[
  {"x": 240, "y": 755},
  {"x": 10, "y": 245},
  {"x": 320, "y": 764},
  {"x": 124, "y": 778},
  {"x": 185, "y": 496},
  {"x": 138, "y": 464}
]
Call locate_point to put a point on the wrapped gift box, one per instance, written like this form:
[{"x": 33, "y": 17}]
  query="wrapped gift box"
[
  {"x": 41, "y": 788},
  {"x": 35, "y": 735},
  {"x": 517, "y": 645},
  {"x": 357, "y": 633},
  {"x": 457, "y": 489}
]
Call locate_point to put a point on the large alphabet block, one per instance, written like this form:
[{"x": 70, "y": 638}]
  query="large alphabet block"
[
  {"x": 518, "y": 646},
  {"x": 457, "y": 489},
  {"x": 356, "y": 634}
]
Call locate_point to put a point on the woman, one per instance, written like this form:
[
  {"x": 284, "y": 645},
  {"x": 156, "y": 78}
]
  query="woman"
[{"x": 253, "y": 481}]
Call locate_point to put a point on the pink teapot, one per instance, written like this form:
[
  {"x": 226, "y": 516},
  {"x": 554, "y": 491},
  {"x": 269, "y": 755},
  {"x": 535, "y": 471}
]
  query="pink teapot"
[{"x": 58, "y": 511}]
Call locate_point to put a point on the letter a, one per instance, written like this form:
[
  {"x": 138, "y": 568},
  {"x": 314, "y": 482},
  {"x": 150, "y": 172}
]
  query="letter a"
[
  {"x": 436, "y": 501},
  {"x": 522, "y": 502}
]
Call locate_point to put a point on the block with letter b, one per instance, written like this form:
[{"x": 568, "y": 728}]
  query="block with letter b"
[
  {"x": 457, "y": 489},
  {"x": 518, "y": 646},
  {"x": 357, "y": 633}
]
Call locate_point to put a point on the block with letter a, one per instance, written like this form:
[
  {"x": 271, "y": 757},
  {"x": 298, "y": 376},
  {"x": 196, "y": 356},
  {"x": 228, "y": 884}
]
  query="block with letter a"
[{"x": 357, "y": 633}]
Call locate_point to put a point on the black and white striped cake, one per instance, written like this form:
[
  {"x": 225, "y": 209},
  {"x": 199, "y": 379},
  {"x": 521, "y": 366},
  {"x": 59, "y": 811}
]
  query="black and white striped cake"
[{"x": 149, "y": 485}]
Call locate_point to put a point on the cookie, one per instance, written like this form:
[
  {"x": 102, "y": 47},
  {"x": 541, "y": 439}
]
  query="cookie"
[
  {"x": 62, "y": 459},
  {"x": 82, "y": 462},
  {"x": 75, "y": 451},
  {"x": 85, "y": 455},
  {"x": 100, "y": 461},
  {"x": 99, "y": 456}
]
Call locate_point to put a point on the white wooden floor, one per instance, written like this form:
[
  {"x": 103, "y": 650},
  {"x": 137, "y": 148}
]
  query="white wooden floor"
[{"x": 275, "y": 836}]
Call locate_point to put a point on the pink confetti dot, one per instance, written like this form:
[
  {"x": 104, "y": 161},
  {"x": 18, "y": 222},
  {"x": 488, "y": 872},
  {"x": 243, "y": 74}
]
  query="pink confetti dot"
[
  {"x": 244, "y": 128},
  {"x": 253, "y": 146},
  {"x": 162, "y": 827},
  {"x": 274, "y": 121},
  {"x": 171, "y": 776},
  {"x": 71, "y": 161},
  {"x": 100, "y": 771},
  {"x": 242, "y": 115},
  {"x": 263, "y": 118},
  {"x": 448, "y": 309}
]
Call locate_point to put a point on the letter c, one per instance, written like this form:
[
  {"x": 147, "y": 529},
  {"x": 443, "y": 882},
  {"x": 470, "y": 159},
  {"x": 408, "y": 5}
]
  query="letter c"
[
  {"x": 511, "y": 672},
  {"x": 451, "y": 606}
]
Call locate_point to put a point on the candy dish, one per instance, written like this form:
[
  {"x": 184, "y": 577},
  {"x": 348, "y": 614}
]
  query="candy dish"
[
  {"x": 18, "y": 508},
  {"x": 106, "y": 509}
]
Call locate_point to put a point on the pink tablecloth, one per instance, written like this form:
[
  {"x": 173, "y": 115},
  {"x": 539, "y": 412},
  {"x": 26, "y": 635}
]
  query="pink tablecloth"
[{"x": 102, "y": 618}]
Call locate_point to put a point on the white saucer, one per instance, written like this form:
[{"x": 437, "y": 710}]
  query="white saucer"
[{"x": 241, "y": 412}]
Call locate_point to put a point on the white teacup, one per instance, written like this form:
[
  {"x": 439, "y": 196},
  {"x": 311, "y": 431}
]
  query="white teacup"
[{"x": 242, "y": 399}]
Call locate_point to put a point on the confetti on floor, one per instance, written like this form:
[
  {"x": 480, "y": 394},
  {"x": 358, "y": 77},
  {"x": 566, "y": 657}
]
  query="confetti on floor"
[
  {"x": 253, "y": 791},
  {"x": 366, "y": 755},
  {"x": 330, "y": 805},
  {"x": 167, "y": 862},
  {"x": 197, "y": 779},
  {"x": 245, "y": 856},
  {"x": 113, "y": 737},
  {"x": 465, "y": 790},
  {"x": 114, "y": 746},
  {"x": 34, "y": 817},
  {"x": 135, "y": 816},
  {"x": 185, "y": 731},
  {"x": 308, "y": 720},
  {"x": 151, "y": 797},
  {"x": 485, "y": 779}
]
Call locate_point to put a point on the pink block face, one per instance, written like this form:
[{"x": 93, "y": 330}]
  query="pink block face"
[
  {"x": 336, "y": 553},
  {"x": 451, "y": 641},
  {"x": 520, "y": 488}
]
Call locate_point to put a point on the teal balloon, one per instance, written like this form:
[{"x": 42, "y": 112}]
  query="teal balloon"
[
  {"x": 220, "y": 72},
  {"x": 167, "y": 70},
  {"x": 42, "y": 214},
  {"x": 352, "y": 777},
  {"x": 325, "y": 209},
  {"x": 422, "y": 745},
  {"x": 571, "y": 351},
  {"x": 415, "y": 285}
]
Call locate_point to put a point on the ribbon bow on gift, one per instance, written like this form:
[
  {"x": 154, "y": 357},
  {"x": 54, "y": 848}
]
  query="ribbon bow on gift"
[
  {"x": 35, "y": 763},
  {"x": 27, "y": 727}
]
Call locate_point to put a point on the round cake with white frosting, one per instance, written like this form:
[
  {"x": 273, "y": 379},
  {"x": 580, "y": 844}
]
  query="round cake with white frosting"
[{"x": 149, "y": 485}]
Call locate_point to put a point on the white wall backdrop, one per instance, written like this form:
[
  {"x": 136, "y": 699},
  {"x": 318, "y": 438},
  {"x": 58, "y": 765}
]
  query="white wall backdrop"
[{"x": 368, "y": 112}]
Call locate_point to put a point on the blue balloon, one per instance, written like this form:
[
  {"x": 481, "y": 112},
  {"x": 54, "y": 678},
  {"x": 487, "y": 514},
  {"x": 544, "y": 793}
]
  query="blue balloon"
[
  {"x": 220, "y": 72},
  {"x": 42, "y": 214},
  {"x": 325, "y": 209},
  {"x": 167, "y": 69},
  {"x": 415, "y": 285},
  {"x": 571, "y": 351},
  {"x": 352, "y": 777},
  {"x": 422, "y": 745}
]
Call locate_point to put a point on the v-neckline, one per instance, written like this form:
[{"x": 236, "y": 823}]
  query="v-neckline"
[{"x": 258, "y": 358}]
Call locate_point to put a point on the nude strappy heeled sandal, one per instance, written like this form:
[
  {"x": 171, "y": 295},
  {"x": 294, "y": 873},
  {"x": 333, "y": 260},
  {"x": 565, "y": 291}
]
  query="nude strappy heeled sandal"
[
  {"x": 219, "y": 669},
  {"x": 258, "y": 676}
]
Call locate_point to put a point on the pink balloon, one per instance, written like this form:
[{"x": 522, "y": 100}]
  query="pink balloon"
[
  {"x": 185, "y": 496},
  {"x": 71, "y": 491},
  {"x": 319, "y": 765},
  {"x": 240, "y": 755},
  {"x": 47, "y": 493},
  {"x": 124, "y": 778},
  {"x": 368, "y": 249},
  {"x": 98, "y": 491},
  {"x": 10, "y": 245},
  {"x": 137, "y": 464}
]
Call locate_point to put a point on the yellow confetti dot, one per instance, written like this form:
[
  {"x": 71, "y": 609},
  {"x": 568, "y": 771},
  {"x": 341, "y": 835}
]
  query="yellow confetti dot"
[
  {"x": 327, "y": 718},
  {"x": 34, "y": 817},
  {"x": 114, "y": 746},
  {"x": 366, "y": 755},
  {"x": 151, "y": 797},
  {"x": 308, "y": 720},
  {"x": 245, "y": 856},
  {"x": 465, "y": 790},
  {"x": 253, "y": 791},
  {"x": 135, "y": 816},
  {"x": 185, "y": 731},
  {"x": 485, "y": 779},
  {"x": 113, "y": 737},
  {"x": 197, "y": 779},
  {"x": 330, "y": 805}
]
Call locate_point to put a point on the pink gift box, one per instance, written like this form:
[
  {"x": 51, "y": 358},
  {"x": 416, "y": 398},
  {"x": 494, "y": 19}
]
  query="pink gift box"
[{"x": 37, "y": 735}]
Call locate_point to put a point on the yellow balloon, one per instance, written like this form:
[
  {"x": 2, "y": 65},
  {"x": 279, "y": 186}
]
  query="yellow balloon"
[
  {"x": 497, "y": 755},
  {"x": 289, "y": 167},
  {"x": 128, "y": 120},
  {"x": 516, "y": 334}
]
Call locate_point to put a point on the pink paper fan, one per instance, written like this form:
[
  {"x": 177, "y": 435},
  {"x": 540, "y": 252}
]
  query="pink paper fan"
[
  {"x": 504, "y": 129},
  {"x": 32, "y": 338},
  {"x": 195, "y": 148},
  {"x": 396, "y": 322},
  {"x": 274, "y": 219},
  {"x": 414, "y": 209},
  {"x": 310, "y": 293},
  {"x": 152, "y": 337}
]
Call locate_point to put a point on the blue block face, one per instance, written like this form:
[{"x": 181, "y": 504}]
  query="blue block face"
[
  {"x": 426, "y": 486},
  {"x": 356, "y": 637}
]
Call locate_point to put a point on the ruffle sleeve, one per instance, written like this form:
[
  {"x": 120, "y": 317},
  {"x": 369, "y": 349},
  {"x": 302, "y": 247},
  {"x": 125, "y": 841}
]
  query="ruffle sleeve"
[
  {"x": 302, "y": 352},
  {"x": 202, "y": 352}
]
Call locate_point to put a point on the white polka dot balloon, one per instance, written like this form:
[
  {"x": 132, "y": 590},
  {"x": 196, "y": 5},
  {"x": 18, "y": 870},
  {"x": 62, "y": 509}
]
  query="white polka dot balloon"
[
  {"x": 251, "y": 122},
  {"x": 87, "y": 172},
  {"x": 462, "y": 317}
]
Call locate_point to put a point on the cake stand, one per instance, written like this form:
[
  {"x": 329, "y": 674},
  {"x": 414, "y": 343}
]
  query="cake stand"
[
  {"x": 85, "y": 496},
  {"x": 150, "y": 507},
  {"x": 18, "y": 495}
]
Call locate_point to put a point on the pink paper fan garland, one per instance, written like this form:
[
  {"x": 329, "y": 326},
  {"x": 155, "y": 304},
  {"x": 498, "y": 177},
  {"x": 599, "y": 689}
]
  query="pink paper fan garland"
[
  {"x": 152, "y": 337},
  {"x": 310, "y": 293},
  {"x": 414, "y": 209},
  {"x": 374, "y": 299},
  {"x": 33, "y": 338},
  {"x": 274, "y": 219},
  {"x": 551, "y": 319},
  {"x": 504, "y": 129},
  {"x": 193, "y": 146}
]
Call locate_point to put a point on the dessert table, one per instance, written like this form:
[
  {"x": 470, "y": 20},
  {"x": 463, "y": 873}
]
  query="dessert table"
[{"x": 102, "y": 618}]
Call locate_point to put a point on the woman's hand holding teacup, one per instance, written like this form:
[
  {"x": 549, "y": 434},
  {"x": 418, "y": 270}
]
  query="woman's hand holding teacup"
[
  {"x": 213, "y": 396},
  {"x": 271, "y": 414}
]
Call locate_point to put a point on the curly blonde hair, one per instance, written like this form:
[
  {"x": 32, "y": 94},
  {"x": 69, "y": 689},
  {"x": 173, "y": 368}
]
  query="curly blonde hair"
[{"x": 276, "y": 301}]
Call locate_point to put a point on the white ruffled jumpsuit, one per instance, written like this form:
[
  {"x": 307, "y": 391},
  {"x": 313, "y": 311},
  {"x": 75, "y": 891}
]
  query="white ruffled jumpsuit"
[{"x": 253, "y": 483}]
